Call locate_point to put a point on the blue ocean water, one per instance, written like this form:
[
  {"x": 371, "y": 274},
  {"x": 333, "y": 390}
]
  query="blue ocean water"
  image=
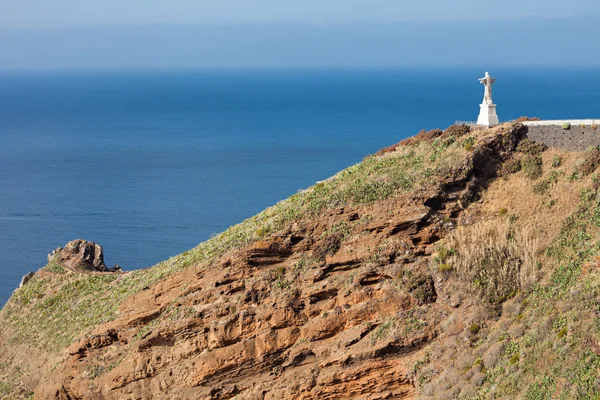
[{"x": 149, "y": 164}]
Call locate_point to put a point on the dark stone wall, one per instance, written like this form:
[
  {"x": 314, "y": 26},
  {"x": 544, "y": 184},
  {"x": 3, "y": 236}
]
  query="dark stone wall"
[{"x": 576, "y": 138}]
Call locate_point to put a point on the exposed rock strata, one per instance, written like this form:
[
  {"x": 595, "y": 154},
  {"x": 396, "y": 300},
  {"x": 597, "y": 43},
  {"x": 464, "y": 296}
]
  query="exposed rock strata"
[{"x": 303, "y": 314}]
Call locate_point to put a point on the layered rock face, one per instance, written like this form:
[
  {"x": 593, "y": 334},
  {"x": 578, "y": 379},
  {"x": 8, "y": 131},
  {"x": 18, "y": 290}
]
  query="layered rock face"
[{"x": 338, "y": 307}]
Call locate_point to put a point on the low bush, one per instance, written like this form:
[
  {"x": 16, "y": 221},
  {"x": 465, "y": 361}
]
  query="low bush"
[
  {"x": 532, "y": 166},
  {"x": 445, "y": 268},
  {"x": 566, "y": 126},
  {"x": 556, "y": 161},
  {"x": 529, "y": 146},
  {"x": 510, "y": 166},
  {"x": 469, "y": 143}
]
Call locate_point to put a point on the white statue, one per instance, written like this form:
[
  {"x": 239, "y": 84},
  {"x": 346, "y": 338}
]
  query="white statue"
[
  {"x": 487, "y": 109},
  {"x": 488, "y": 81}
]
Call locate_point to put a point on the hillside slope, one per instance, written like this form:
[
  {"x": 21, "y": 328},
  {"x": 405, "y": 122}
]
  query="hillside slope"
[{"x": 452, "y": 265}]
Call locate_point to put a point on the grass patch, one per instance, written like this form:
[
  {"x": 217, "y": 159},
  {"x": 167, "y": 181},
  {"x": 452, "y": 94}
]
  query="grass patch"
[{"x": 494, "y": 257}]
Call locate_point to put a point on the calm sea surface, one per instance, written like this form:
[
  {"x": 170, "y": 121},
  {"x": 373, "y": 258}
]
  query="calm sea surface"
[{"x": 149, "y": 164}]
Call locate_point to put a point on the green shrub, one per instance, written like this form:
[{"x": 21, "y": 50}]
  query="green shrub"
[
  {"x": 556, "y": 161},
  {"x": 445, "y": 268},
  {"x": 474, "y": 329},
  {"x": 262, "y": 231},
  {"x": 5, "y": 388},
  {"x": 503, "y": 211},
  {"x": 566, "y": 126},
  {"x": 532, "y": 166},
  {"x": 562, "y": 333},
  {"x": 543, "y": 186},
  {"x": 443, "y": 254},
  {"x": 469, "y": 143},
  {"x": 514, "y": 359}
]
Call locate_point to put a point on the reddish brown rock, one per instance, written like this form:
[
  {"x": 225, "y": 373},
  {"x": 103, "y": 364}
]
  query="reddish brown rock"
[{"x": 303, "y": 314}]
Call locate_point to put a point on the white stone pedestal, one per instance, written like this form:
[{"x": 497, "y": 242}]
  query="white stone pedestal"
[{"x": 487, "y": 115}]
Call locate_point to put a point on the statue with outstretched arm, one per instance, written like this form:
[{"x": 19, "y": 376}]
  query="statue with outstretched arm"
[{"x": 487, "y": 81}]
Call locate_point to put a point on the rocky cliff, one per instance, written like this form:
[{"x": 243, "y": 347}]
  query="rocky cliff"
[{"x": 451, "y": 265}]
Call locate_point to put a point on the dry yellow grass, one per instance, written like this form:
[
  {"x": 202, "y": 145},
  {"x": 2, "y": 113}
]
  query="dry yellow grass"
[
  {"x": 542, "y": 215},
  {"x": 497, "y": 257}
]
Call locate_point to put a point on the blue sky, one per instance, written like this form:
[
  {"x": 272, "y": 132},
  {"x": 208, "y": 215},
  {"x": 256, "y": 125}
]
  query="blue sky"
[
  {"x": 69, "y": 13},
  {"x": 63, "y": 34}
]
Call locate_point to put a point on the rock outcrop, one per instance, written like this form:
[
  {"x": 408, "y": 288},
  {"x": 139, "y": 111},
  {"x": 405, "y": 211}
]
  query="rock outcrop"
[
  {"x": 81, "y": 256},
  {"x": 26, "y": 278}
]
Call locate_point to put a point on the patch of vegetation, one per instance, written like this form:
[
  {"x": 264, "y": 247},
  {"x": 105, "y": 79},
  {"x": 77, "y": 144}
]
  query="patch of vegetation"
[
  {"x": 562, "y": 333},
  {"x": 511, "y": 166},
  {"x": 383, "y": 330},
  {"x": 556, "y": 161},
  {"x": 530, "y": 147},
  {"x": 262, "y": 231},
  {"x": 566, "y": 126},
  {"x": 495, "y": 258},
  {"x": 532, "y": 166},
  {"x": 55, "y": 268},
  {"x": 445, "y": 268},
  {"x": 543, "y": 186},
  {"x": 5, "y": 388},
  {"x": 469, "y": 143},
  {"x": 474, "y": 329}
]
